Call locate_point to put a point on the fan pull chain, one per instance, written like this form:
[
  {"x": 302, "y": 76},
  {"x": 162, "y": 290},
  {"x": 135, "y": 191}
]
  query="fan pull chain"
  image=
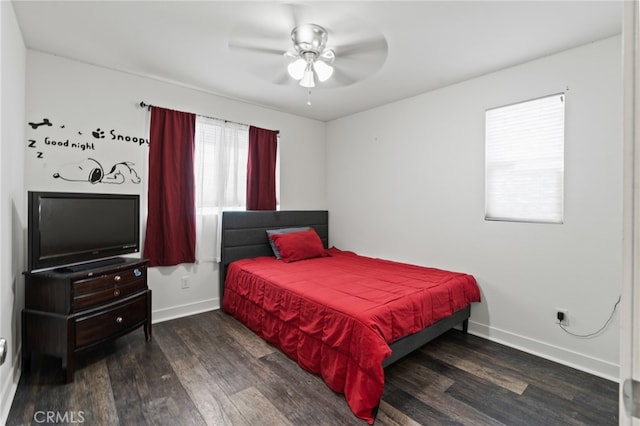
[{"x": 309, "y": 98}]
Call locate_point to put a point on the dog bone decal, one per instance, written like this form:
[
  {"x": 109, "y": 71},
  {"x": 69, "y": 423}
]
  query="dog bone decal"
[{"x": 45, "y": 122}]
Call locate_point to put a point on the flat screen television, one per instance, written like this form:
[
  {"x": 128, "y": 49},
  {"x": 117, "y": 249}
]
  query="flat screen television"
[{"x": 74, "y": 230}]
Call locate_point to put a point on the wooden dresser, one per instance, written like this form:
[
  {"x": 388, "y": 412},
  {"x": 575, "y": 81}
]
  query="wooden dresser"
[{"x": 67, "y": 311}]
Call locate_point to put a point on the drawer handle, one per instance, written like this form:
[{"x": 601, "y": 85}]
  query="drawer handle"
[
  {"x": 117, "y": 278},
  {"x": 116, "y": 292},
  {"x": 119, "y": 320}
]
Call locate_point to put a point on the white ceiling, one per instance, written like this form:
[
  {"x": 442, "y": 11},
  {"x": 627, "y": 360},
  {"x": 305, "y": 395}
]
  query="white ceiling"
[{"x": 430, "y": 44}]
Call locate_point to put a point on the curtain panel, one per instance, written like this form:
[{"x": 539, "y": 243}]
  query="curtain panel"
[
  {"x": 261, "y": 169},
  {"x": 171, "y": 224}
]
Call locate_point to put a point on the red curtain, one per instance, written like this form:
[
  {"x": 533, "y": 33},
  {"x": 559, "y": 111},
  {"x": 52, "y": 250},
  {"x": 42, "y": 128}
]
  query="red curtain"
[
  {"x": 261, "y": 169},
  {"x": 171, "y": 222}
]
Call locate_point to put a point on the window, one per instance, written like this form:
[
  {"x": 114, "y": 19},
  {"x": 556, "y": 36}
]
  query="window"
[
  {"x": 221, "y": 151},
  {"x": 221, "y": 164},
  {"x": 524, "y": 170},
  {"x": 221, "y": 154}
]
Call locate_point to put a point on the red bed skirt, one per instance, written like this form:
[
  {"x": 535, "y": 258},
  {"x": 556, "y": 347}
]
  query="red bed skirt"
[{"x": 337, "y": 315}]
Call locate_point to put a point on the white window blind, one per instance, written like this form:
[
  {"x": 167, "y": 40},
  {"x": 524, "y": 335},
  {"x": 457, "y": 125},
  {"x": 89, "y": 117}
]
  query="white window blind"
[{"x": 524, "y": 170}]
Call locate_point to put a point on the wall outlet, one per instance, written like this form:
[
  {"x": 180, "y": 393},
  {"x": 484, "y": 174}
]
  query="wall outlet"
[
  {"x": 564, "y": 314},
  {"x": 185, "y": 281}
]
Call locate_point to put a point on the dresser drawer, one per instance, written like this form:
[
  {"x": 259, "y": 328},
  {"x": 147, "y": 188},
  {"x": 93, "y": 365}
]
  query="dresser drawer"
[
  {"x": 107, "y": 288},
  {"x": 114, "y": 292},
  {"x": 117, "y": 319}
]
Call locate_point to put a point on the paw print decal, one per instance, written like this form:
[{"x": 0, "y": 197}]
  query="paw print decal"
[{"x": 98, "y": 134}]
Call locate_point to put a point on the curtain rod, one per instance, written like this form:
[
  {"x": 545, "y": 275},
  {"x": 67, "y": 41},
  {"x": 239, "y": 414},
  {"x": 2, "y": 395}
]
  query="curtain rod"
[{"x": 143, "y": 104}]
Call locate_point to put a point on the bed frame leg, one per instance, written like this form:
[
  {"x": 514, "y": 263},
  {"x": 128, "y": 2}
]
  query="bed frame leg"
[{"x": 465, "y": 326}]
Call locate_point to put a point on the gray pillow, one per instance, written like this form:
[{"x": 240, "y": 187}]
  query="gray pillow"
[{"x": 276, "y": 252}]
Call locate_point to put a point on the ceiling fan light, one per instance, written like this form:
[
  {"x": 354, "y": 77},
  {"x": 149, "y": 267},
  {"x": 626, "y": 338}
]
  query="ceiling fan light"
[
  {"x": 323, "y": 70},
  {"x": 308, "y": 79},
  {"x": 296, "y": 69}
]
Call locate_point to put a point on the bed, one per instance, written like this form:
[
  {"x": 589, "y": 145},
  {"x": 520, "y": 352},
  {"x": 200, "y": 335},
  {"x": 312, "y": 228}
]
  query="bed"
[{"x": 339, "y": 315}]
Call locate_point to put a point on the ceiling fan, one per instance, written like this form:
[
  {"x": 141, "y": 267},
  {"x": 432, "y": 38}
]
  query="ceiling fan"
[
  {"x": 314, "y": 59},
  {"x": 285, "y": 51}
]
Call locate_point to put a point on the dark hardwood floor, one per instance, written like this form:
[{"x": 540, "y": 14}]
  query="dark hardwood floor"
[{"x": 209, "y": 369}]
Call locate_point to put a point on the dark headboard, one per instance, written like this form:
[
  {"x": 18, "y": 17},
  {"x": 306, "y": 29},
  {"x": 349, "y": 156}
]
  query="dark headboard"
[{"x": 244, "y": 233}]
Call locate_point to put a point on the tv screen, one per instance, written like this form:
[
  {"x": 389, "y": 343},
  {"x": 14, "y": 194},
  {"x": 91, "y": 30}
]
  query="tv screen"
[{"x": 74, "y": 228}]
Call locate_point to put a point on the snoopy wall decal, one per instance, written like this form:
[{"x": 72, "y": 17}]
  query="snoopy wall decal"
[{"x": 90, "y": 170}]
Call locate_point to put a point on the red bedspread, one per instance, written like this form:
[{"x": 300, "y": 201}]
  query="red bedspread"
[{"x": 337, "y": 315}]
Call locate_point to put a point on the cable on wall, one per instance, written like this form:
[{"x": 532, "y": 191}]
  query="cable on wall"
[{"x": 600, "y": 330}]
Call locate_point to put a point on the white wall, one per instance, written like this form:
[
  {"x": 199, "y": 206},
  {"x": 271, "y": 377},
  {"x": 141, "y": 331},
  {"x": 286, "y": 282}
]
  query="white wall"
[
  {"x": 12, "y": 199},
  {"x": 406, "y": 181},
  {"x": 84, "y": 98}
]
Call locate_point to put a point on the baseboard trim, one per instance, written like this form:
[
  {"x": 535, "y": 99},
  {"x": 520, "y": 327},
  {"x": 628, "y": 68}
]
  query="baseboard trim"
[
  {"x": 161, "y": 315},
  {"x": 9, "y": 389},
  {"x": 588, "y": 364}
]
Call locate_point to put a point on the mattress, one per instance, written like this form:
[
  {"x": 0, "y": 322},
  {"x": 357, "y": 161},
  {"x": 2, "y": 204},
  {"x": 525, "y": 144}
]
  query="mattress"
[{"x": 337, "y": 315}]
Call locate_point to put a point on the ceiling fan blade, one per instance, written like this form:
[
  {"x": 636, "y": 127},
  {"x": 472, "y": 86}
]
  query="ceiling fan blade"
[
  {"x": 254, "y": 48},
  {"x": 284, "y": 79},
  {"x": 296, "y": 14},
  {"x": 271, "y": 35},
  {"x": 272, "y": 71},
  {"x": 256, "y": 33},
  {"x": 354, "y": 68},
  {"x": 340, "y": 78},
  {"x": 260, "y": 38},
  {"x": 358, "y": 60},
  {"x": 377, "y": 44}
]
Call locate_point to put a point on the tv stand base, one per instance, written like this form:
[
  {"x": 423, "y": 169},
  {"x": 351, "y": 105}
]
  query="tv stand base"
[{"x": 70, "y": 312}]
